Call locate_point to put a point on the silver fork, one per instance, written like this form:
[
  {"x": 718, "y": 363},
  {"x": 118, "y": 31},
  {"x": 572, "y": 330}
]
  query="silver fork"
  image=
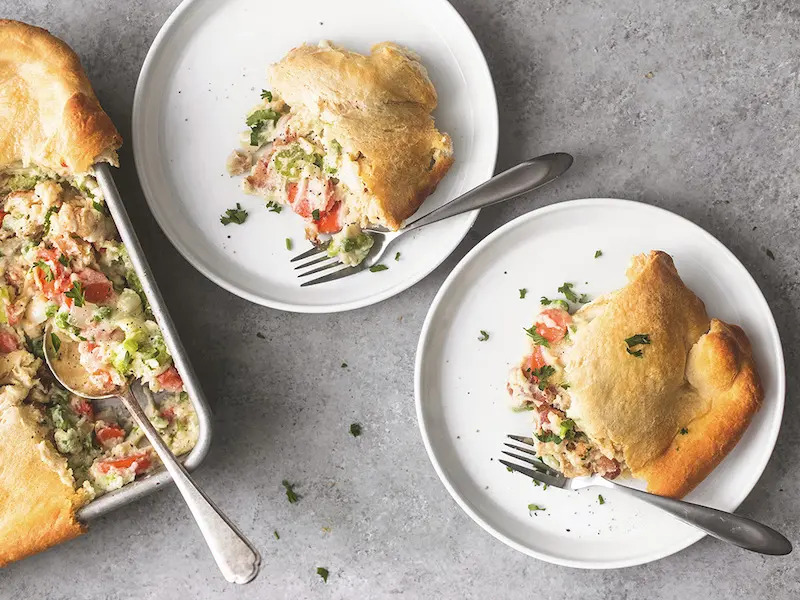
[
  {"x": 509, "y": 184},
  {"x": 727, "y": 527}
]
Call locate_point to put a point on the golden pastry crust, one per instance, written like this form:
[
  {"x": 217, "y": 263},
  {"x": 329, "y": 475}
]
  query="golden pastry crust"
[
  {"x": 694, "y": 375},
  {"x": 379, "y": 107},
  {"x": 37, "y": 498},
  {"x": 49, "y": 114}
]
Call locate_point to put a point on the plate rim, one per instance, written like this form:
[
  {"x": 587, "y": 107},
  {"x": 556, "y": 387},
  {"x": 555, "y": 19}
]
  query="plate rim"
[
  {"x": 775, "y": 425},
  {"x": 136, "y": 117}
]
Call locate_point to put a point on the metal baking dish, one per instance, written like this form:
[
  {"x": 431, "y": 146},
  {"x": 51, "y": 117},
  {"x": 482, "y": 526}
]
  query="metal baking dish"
[{"x": 151, "y": 482}]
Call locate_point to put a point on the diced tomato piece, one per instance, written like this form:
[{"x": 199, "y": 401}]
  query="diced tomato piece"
[
  {"x": 110, "y": 433},
  {"x": 552, "y": 324},
  {"x": 82, "y": 407},
  {"x": 142, "y": 462},
  {"x": 291, "y": 192},
  {"x": 329, "y": 222},
  {"x": 97, "y": 288},
  {"x": 536, "y": 360},
  {"x": 170, "y": 380},
  {"x": 60, "y": 281},
  {"x": 8, "y": 342}
]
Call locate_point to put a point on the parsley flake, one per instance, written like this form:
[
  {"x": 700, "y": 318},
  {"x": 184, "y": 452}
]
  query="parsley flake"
[
  {"x": 266, "y": 95},
  {"x": 275, "y": 533},
  {"x": 288, "y": 243},
  {"x": 397, "y": 256},
  {"x": 377, "y": 268},
  {"x": 56, "y": 342},
  {"x": 522, "y": 293},
  {"x": 548, "y": 437},
  {"x": 484, "y": 336},
  {"x": 100, "y": 207},
  {"x": 535, "y": 507},
  {"x": 47, "y": 272},
  {"x": 600, "y": 499},
  {"x": 636, "y": 353},
  {"x": 684, "y": 431},
  {"x": 315, "y": 214},
  {"x": 344, "y": 365},
  {"x": 598, "y": 254},
  {"x": 273, "y": 206},
  {"x": 636, "y": 340},
  {"x": 234, "y": 215},
  {"x": 291, "y": 495},
  {"x": 355, "y": 429},
  {"x": 77, "y": 294},
  {"x": 537, "y": 338},
  {"x": 50, "y": 212},
  {"x": 63, "y": 260},
  {"x": 566, "y": 289},
  {"x": 323, "y": 572}
]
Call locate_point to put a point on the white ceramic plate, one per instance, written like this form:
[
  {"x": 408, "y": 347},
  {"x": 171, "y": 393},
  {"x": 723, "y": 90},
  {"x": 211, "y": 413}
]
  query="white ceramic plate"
[
  {"x": 462, "y": 404},
  {"x": 205, "y": 71}
]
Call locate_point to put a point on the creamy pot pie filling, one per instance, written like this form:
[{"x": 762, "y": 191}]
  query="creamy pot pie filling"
[
  {"x": 539, "y": 385},
  {"x": 60, "y": 262},
  {"x": 294, "y": 161}
]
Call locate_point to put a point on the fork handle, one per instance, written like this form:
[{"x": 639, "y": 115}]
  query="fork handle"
[
  {"x": 728, "y": 527},
  {"x": 509, "y": 184}
]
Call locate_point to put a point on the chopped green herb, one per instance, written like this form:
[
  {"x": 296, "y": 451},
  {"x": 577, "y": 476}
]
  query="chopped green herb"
[
  {"x": 56, "y": 341},
  {"x": 684, "y": 431},
  {"x": 101, "y": 314},
  {"x": 584, "y": 299},
  {"x": 100, "y": 207},
  {"x": 639, "y": 338},
  {"x": 397, "y": 256},
  {"x": 275, "y": 533},
  {"x": 344, "y": 365},
  {"x": 564, "y": 386},
  {"x": 542, "y": 374},
  {"x": 288, "y": 243},
  {"x": 234, "y": 215},
  {"x": 598, "y": 254},
  {"x": 567, "y": 429},
  {"x": 484, "y": 336},
  {"x": 770, "y": 254},
  {"x": 509, "y": 469},
  {"x": 273, "y": 206},
  {"x": 544, "y": 489},
  {"x": 266, "y": 95},
  {"x": 636, "y": 353},
  {"x": 63, "y": 260},
  {"x": 315, "y": 214},
  {"x": 536, "y": 482},
  {"x": 566, "y": 289},
  {"x": 600, "y": 499},
  {"x": 35, "y": 346},
  {"x": 548, "y": 437},
  {"x": 316, "y": 158},
  {"x": 355, "y": 429},
  {"x": 323, "y": 572},
  {"x": 50, "y": 212},
  {"x": 376, "y": 268},
  {"x": 45, "y": 269},
  {"x": 522, "y": 292},
  {"x": 290, "y": 493},
  {"x": 537, "y": 338},
  {"x": 259, "y": 117},
  {"x": 76, "y": 293},
  {"x": 535, "y": 507}
]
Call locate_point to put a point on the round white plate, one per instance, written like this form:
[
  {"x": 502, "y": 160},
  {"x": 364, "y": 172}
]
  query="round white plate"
[
  {"x": 462, "y": 404},
  {"x": 204, "y": 72}
]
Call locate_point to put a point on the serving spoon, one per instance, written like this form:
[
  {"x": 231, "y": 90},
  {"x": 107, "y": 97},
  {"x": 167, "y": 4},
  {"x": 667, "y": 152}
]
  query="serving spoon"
[{"x": 236, "y": 557}]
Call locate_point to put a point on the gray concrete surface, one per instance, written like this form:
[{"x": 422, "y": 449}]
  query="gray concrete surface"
[{"x": 713, "y": 136}]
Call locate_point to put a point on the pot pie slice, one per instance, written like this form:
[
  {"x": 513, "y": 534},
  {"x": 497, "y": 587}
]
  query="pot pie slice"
[
  {"x": 345, "y": 140},
  {"x": 62, "y": 263},
  {"x": 639, "y": 381}
]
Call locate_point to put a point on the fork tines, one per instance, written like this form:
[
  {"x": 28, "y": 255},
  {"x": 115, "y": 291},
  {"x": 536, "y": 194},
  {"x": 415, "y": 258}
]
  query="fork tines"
[
  {"x": 322, "y": 262},
  {"x": 540, "y": 471}
]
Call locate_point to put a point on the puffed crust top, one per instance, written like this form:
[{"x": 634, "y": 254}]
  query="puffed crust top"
[
  {"x": 49, "y": 114},
  {"x": 379, "y": 107},
  {"x": 677, "y": 410}
]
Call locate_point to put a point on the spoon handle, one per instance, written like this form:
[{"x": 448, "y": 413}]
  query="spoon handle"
[{"x": 236, "y": 557}]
